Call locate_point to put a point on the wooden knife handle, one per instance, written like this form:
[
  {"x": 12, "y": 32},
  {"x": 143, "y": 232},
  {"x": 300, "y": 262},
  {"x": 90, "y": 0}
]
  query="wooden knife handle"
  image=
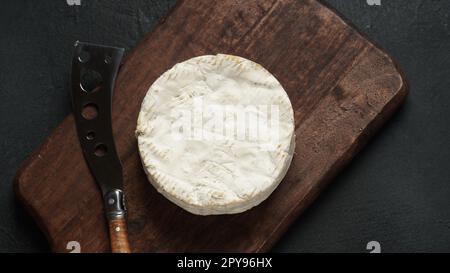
[{"x": 118, "y": 235}]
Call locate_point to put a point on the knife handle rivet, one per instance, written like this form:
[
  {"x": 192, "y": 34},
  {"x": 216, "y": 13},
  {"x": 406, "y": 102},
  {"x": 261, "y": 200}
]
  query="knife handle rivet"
[
  {"x": 111, "y": 201},
  {"x": 117, "y": 229}
]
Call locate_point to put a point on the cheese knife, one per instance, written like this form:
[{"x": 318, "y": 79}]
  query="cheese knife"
[{"x": 94, "y": 69}]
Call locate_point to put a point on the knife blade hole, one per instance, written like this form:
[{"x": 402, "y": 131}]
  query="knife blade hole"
[
  {"x": 100, "y": 150},
  {"x": 84, "y": 56},
  {"x": 90, "y": 111},
  {"x": 90, "y": 80},
  {"x": 90, "y": 135}
]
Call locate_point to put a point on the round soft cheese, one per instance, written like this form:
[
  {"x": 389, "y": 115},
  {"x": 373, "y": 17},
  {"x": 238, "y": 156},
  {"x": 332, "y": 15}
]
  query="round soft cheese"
[{"x": 216, "y": 134}]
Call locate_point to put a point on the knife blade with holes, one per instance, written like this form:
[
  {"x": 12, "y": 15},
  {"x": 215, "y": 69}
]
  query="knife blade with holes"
[{"x": 94, "y": 69}]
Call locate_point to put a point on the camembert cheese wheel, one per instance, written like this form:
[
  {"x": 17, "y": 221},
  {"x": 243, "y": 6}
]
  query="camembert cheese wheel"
[{"x": 216, "y": 134}]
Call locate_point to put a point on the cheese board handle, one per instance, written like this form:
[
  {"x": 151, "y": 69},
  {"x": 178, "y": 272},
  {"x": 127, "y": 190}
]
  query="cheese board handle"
[{"x": 118, "y": 235}]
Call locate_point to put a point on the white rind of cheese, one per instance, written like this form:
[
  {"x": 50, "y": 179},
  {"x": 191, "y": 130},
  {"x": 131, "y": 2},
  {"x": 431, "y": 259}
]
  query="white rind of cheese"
[{"x": 214, "y": 176}]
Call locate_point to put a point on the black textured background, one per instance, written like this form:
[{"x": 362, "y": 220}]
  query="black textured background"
[{"x": 396, "y": 191}]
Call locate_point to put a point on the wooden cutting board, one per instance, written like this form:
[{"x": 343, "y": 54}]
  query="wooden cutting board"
[{"x": 342, "y": 87}]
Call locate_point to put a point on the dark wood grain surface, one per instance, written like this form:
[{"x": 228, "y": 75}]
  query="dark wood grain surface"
[{"x": 342, "y": 87}]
